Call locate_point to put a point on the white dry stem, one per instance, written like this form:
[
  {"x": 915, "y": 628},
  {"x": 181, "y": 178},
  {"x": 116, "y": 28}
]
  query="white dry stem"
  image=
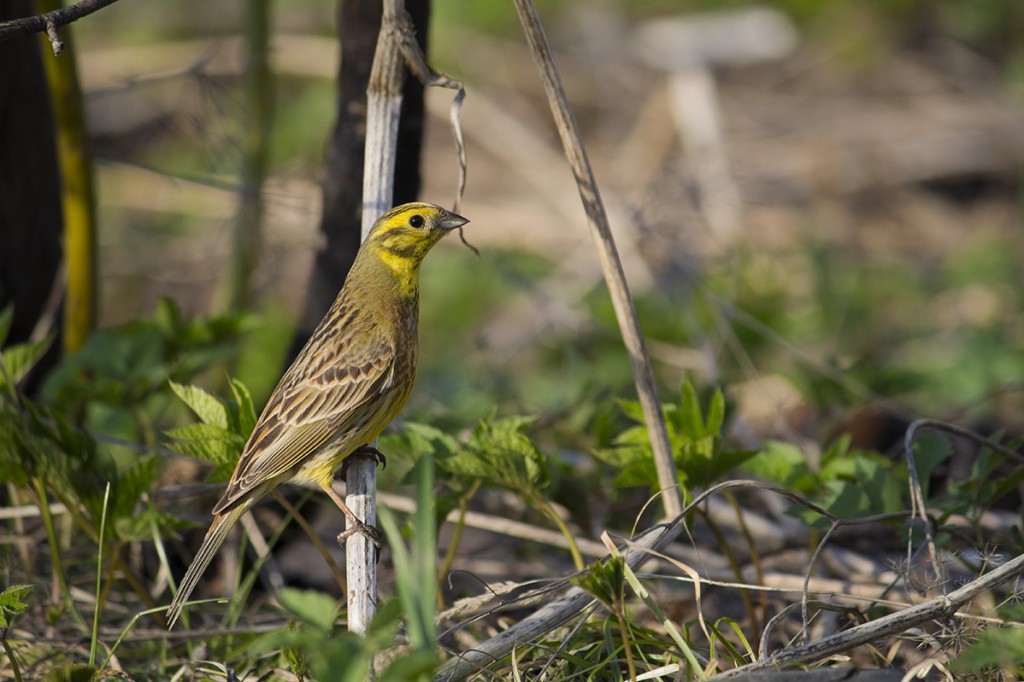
[{"x": 396, "y": 50}]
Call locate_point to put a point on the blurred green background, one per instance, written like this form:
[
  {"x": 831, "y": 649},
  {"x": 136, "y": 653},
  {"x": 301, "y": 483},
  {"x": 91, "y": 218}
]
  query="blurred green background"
[
  {"x": 824, "y": 242},
  {"x": 897, "y": 287}
]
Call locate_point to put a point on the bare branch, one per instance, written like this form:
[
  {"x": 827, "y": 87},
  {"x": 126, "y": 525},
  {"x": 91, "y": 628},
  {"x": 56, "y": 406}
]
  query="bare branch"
[
  {"x": 943, "y": 606},
  {"x": 49, "y": 23}
]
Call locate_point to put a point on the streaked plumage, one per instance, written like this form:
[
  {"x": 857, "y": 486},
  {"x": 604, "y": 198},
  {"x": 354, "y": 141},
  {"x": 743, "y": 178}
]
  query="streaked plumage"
[{"x": 350, "y": 380}]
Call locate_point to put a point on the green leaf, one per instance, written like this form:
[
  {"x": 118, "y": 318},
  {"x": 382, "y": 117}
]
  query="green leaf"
[
  {"x": 837, "y": 461},
  {"x": 410, "y": 666},
  {"x": 12, "y": 602},
  {"x": 636, "y": 435},
  {"x": 500, "y": 453},
  {"x": 691, "y": 423},
  {"x": 716, "y": 413},
  {"x": 19, "y": 359},
  {"x": 246, "y": 411},
  {"x": 633, "y": 410},
  {"x": 721, "y": 463},
  {"x": 209, "y": 443},
  {"x": 784, "y": 464},
  {"x": 930, "y": 450},
  {"x": 167, "y": 316},
  {"x": 126, "y": 490},
  {"x": 605, "y": 580},
  {"x": 696, "y": 443},
  {"x": 207, "y": 406},
  {"x": 204, "y": 432},
  {"x": 628, "y": 451},
  {"x": 314, "y": 608},
  {"x": 996, "y": 649},
  {"x": 140, "y": 526},
  {"x": 424, "y": 439}
]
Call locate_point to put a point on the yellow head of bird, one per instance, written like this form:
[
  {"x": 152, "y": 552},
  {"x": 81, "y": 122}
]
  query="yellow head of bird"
[{"x": 408, "y": 232}]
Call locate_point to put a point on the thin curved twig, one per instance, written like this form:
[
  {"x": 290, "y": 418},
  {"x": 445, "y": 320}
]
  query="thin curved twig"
[
  {"x": 943, "y": 606},
  {"x": 917, "y": 491}
]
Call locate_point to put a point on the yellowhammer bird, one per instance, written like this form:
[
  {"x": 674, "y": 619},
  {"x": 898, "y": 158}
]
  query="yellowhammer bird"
[{"x": 350, "y": 380}]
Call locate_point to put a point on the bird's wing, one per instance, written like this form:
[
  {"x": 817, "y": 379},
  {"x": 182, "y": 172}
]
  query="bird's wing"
[{"x": 345, "y": 366}]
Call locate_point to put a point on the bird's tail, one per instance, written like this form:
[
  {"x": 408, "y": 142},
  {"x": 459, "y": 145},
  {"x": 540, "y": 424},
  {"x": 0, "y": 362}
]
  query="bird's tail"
[{"x": 215, "y": 537}]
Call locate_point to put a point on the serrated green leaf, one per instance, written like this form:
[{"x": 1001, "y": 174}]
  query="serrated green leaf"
[
  {"x": 207, "y": 406},
  {"x": 125, "y": 521},
  {"x": 149, "y": 520},
  {"x": 500, "y": 453},
  {"x": 12, "y": 602},
  {"x": 467, "y": 463},
  {"x": 21, "y": 358},
  {"x": 204, "y": 432},
  {"x": 209, "y": 443},
  {"x": 136, "y": 480}
]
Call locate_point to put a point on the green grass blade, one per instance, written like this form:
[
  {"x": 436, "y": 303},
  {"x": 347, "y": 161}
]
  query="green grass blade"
[{"x": 94, "y": 636}]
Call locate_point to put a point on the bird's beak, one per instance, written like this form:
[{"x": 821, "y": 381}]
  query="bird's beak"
[{"x": 450, "y": 221}]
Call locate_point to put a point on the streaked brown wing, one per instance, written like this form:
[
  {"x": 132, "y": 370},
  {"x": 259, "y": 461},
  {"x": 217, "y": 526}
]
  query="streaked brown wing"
[{"x": 316, "y": 402}]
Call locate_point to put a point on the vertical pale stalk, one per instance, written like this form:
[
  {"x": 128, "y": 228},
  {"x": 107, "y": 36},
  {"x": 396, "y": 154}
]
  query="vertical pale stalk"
[
  {"x": 384, "y": 105},
  {"x": 611, "y": 266}
]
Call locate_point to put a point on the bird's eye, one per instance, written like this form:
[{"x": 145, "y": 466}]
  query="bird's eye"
[{"x": 416, "y": 220}]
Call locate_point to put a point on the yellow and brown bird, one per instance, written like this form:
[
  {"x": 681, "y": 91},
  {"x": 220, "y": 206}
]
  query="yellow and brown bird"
[{"x": 350, "y": 380}]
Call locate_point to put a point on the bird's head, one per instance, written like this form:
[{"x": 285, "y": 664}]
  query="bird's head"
[{"x": 406, "y": 233}]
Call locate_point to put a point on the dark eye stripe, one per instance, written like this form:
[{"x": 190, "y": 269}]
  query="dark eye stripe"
[{"x": 402, "y": 251}]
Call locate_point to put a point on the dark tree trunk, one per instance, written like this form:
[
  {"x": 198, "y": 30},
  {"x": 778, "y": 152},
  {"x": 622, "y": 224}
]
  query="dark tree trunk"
[
  {"x": 358, "y": 25},
  {"x": 30, "y": 198}
]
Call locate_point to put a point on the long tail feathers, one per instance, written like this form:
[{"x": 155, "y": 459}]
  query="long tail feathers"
[{"x": 215, "y": 537}]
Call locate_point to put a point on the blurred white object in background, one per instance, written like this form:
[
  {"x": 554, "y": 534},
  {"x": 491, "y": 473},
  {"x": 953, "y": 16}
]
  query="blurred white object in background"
[{"x": 689, "y": 48}]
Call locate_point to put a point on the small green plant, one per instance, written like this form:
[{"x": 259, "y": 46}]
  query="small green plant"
[
  {"x": 847, "y": 482},
  {"x": 997, "y": 648},
  {"x": 498, "y": 453},
  {"x": 606, "y": 581},
  {"x": 696, "y": 439},
  {"x": 12, "y": 603},
  {"x": 225, "y": 425},
  {"x": 58, "y": 447}
]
